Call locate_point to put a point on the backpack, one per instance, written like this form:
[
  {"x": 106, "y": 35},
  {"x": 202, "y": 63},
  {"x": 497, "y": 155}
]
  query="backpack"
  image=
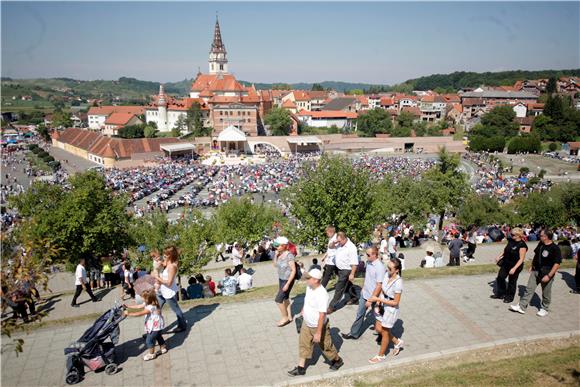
[{"x": 292, "y": 249}]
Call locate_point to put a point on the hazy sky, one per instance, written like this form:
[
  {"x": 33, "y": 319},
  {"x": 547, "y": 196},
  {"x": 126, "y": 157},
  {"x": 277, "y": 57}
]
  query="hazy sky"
[{"x": 286, "y": 42}]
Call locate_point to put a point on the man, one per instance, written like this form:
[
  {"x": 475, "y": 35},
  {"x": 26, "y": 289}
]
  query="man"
[
  {"x": 328, "y": 259},
  {"x": 81, "y": 283},
  {"x": 244, "y": 280},
  {"x": 315, "y": 328},
  {"x": 374, "y": 275},
  {"x": 455, "y": 246},
  {"x": 237, "y": 255},
  {"x": 392, "y": 245},
  {"x": 546, "y": 262},
  {"x": 228, "y": 284},
  {"x": 346, "y": 259}
]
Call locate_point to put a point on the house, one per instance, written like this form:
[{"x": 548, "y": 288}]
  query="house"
[
  {"x": 346, "y": 104},
  {"x": 521, "y": 109},
  {"x": 374, "y": 101},
  {"x": 455, "y": 113},
  {"x": 117, "y": 120},
  {"x": 98, "y": 115},
  {"x": 388, "y": 103},
  {"x": 326, "y": 118},
  {"x": 290, "y": 106},
  {"x": 433, "y": 108},
  {"x": 525, "y": 124},
  {"x": 535, "y": 109},
  {"x": 402, "y": 100}
]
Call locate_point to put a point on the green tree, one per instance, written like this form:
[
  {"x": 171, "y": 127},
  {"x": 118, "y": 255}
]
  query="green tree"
[
  {"x": 150, "y": 131},
  {"x": 194, "y": 237},
  {"x": 481, "y": 210},
  {"x": 279, "y": 121},
  {"x": 498, "y": 122},
  {"x": 317, "y": 87},
  {"x": 152, "y": 231},
  {"x": 332, "y": 193},
  {"x": 552, "y": 86},
  {"x": 132, "y": 131},
  {"x": 413, "y": 208},
  {"x": 543, "y": 209},
  {"x": 61, "y": 119},
  {"x": 43, "y": 131},
  {"x": 194, "y": 120},
  {"x": 373, "y": 122},
  {"x": 524, "y": 144},
  {"x": 405, "y": 120}
]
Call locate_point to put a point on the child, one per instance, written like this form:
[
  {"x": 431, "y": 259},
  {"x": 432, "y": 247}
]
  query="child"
[
  {"x": 157, "y": 265},
  {"x": 154, "y": 323},
  {"x": 429, "y": 260}
]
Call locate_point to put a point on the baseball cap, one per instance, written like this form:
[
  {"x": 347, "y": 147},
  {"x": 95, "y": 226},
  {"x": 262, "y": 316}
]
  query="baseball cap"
[
  {"x": 280, "y": 241},
  {"x": 314, "y": 273}
]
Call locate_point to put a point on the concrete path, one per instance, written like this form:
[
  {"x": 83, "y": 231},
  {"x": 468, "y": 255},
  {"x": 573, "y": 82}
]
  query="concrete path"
[{"x": 238, "y": 344}]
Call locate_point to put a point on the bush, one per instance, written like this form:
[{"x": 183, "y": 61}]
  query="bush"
[
  {"x": 32, "y": 147},
  {"x": 553, "y": 147},
  {"x": 528, "y": 144},
  {"x": 488, "y": 144},
  {"x": 524, "y": 170},
  {"x": 542, "y": 173}
]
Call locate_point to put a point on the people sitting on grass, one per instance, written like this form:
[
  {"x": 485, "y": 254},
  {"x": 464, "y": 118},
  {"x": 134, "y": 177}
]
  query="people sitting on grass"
[
  {"x": 228, "y": 284},
  {"x": 245, "y": 280},
  {"x": 195, "y": 289}
]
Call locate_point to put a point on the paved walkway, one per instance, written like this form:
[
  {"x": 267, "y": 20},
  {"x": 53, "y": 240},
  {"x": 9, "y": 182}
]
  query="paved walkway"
[{"x": 239, "y": 344}]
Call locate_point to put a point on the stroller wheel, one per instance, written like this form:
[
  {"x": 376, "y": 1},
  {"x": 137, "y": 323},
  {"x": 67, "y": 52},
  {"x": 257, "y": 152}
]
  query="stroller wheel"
[
  {"x": 111, "y": 369},
  {"x": 73, "y": 377}
]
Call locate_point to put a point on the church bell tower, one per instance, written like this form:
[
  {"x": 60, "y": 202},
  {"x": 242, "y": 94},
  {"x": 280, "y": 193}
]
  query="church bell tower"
[{"x": 218, "y": 61}]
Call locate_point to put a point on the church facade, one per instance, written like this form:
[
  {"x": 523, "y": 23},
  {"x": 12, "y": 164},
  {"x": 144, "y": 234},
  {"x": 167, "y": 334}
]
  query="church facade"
[{"x": 224, "y": 101}]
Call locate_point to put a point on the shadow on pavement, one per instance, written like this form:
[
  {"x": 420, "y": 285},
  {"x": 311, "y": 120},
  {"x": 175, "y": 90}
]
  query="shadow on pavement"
[
  {"x": 569, "y": 279},
  {"x": 192, "y": 316},
  {"x": 317, "y": 353}
]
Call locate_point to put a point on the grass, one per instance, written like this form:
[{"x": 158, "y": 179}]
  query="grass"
[
  {"x": 556, "y": 367},
  {"x": 38, "y": 162}
]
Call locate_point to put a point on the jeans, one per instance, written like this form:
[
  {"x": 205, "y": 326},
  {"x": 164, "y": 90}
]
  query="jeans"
[
  {"x": 356, "y": 330},
  {"x": 533, "y": 283},
  {"x": 181, "y": 323},
  {"x": 341, "y": 288},
  {"x": 329, "y": 271},
  {"x": 503, "y": 273},
  {"x": 78, "y": 291},
  {"x": 152, "y": 337}
]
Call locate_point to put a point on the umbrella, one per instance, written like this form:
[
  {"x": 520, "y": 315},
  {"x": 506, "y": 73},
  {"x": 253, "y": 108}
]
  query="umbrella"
[{"x": 144, "y": 283}]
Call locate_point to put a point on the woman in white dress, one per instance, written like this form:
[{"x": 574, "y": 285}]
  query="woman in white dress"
[{"x": 389, "y": 301}]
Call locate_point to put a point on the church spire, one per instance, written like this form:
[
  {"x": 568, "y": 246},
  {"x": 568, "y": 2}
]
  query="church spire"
[{"x": 218, "y": 62}]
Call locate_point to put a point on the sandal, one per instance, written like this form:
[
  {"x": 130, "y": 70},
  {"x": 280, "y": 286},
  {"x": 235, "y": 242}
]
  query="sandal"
[
  {"x": 162, "y": 351},
  {"x": 377, "y": 359},
  {"x": 149, "y": 356},
  {"x": 398, "y": 347},
  {"x": 283, "y": 325}
]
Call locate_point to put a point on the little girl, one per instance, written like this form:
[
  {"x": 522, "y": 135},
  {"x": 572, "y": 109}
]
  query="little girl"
[
  {"x": 157, "y": 267},
  {"x": 154, "y": 323}
]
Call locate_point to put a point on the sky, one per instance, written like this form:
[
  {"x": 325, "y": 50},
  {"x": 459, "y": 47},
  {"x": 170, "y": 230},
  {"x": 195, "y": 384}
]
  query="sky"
[{"x": 374, "y": 42}]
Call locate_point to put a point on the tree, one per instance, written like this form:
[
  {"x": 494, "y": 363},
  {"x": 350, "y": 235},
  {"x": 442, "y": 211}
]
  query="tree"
[
  {"x": 180, "y": 126},
  {"x": 317, "y": 87},
  {"x": 332, "y": 193},
  {"x": 279, "y": 121},
  {"x": 61, "y": 119},
  {"x": 43, "y": 131},
  {"x": 498, "y": 122},
  {"x": 194, "y": 237},
  {"x": 543, "y": 209},
  {"x": 413, "y": 208},
  {"x": 132, "y": 131},
  {"x": 194, "y": 120},
  {"x": 481, "y": 210},
  {"x": 150, "y": 131},
  {"x": 552, "y": 86},
  {"x": 152, "y": 231},
  {"x": 524, "y": 144},
  {"x": 373, "y": 122},
  {"x": 86, "y": 220},
  {"x": 447, "y": 184},
  {"x": 405, "y": 120}
]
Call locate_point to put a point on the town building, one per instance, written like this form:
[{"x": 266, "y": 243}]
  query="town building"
[{"x": 98, "y": 115}]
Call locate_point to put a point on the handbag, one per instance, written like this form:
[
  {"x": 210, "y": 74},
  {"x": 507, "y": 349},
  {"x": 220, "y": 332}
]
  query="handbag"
[
  {"x": 298, "y": 320},
  {"x": 500, "y": 262}
]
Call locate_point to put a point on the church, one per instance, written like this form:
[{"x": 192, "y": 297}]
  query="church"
[{"x": 224, "y": 101}]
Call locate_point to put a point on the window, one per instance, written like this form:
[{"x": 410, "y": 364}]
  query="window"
[{"x": 221, "y": 66}]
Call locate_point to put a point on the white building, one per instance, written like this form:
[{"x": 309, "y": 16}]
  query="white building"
[
  {"x": 99, "y": 114},
  {"x": 328, "y": 118}
]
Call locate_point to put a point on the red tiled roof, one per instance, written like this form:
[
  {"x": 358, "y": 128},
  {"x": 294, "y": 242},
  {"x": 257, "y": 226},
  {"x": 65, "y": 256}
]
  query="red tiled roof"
[
  {"x": 216, "y": 82},
  {"x": 539, "y": 106},
  {"x": 289, "y": 104},
  {"x": 119, "y": 118},
  {"x": 387, "y": 101},
  {"x": 414, "y": 110},
  {"x": 472, "y": 101},
  {"x": 108, "y": 110}
]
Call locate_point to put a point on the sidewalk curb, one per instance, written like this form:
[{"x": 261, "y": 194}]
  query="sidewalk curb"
[{"x": 424, "y": 357}]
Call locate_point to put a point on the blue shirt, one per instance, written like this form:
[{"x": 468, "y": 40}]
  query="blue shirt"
[
  {"x": 375, "y": 272},
  {"x": 195, "y": 291}
]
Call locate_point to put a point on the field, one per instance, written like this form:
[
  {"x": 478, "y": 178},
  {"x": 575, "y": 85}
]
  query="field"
[{"x": 536, "y": 163}]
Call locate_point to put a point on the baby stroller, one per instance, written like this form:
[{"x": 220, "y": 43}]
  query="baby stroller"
[{"x": 92, "y": 349}]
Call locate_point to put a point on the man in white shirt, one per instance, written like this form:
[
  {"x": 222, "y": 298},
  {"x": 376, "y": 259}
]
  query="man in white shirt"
[
  {"x": 81, "y": 283},
  {"x": 346, "y": 260},
  {"x": 392, "y": 245},
  {"x": 328, "y": 259},
  {"x": 244, "y": 280},
  {"x": 315, "y": 328},
  {"x": 237, "y": 255}
]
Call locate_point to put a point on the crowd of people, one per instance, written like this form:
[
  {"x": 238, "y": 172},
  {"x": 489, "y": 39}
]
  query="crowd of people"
[{"x": 380, "y": 167}]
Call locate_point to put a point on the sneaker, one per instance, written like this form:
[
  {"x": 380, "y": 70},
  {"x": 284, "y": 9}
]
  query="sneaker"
[
  {"x": 377, "y": 359},
  {"x": 297, "y": 371},
  {"x": 542, "y": 313},
  {"x": 517, "y": 308},
  {"x": 149, "y": 356},
  {"x": 336, "y": 364}
]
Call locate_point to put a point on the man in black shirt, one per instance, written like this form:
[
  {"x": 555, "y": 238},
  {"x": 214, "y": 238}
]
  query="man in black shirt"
[{"x": 547, "y": 259}]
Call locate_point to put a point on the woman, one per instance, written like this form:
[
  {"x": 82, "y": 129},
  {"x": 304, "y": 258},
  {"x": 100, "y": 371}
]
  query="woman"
[
  {"x": 284, "y": 263},
  {"x": 390, "y": 299},
  {"x": 168, "y": 285},
  {"x": 512, "y": 263}
]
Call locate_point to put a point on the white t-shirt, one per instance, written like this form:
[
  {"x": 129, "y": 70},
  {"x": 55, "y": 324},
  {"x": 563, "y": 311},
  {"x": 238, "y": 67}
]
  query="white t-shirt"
[
  {"x": 80, "y": 275},
  {"x": 392, "y": 245},
  {"x": 166, "y": 291},
  {"x": 245, "y": 281},
  {"x": 346, "y": 256},
  {"x": 429, "y": 261},
  {"x": 236, "y": 257},
  {"x": 331, "y": 252},
  {"x": 315, "y": 302},
  {"x": 383, "y": 248},
  {"x": 129, "y": 276}
]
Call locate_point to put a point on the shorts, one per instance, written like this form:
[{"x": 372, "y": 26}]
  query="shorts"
[
  {"x": 109, "y": 277},
  {"x": 390, "y": 317},
  {"x": 283, "y": 295}
]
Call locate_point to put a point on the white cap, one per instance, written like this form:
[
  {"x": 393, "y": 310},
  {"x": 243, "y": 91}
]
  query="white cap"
[
  {"x": 281, "y": 241},
  {"x": 314, "y": 273}
]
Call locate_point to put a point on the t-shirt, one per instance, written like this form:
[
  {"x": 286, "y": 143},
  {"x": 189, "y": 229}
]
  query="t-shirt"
[
  {"x": 472, "y": 237},
  {"x": 455, "y": 247},
  {"x": 167, "y": 291},
  {"x": 195, "y": 291},
  {"x": 283, "y": 263},
  {"x": 229, "y": 286},
  {"x": 128, "y": 276},
  {"x": 236, "y": 257},
  {"x": 154, "y": 320},
  {"x": 546, "y": 256},
  {"x": 80, "y": 275},
  {"x": 331, "y": 251},
  {"x": 346, "y": 256},
  {"x": 511, "y": 253},
  {"x": 374, "y": 273},
  {"x": 245, "y": 281},
  {"x": 315, "y": 302},
  {"x": 392, "y": 245},
  {"x": 429, "y": 261},
  {"x": 383, "y": 247}
]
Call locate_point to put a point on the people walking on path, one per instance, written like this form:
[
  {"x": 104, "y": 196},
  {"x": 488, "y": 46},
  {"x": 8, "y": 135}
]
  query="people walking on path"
[
  {"x": 285, "y": 263},
  {"x": 546, "y": 262},
  {"x": 328, "y": 258},
  {"x": 315, "y": 328},
  {"x": 374, "y": 274},
  {"x": 346, "y": 259},
  {"x": 154, "y": 323},
  {"x": 511, "y": 263},
  {"x": 387, "y": 309},
  {"x": 81, "y": 283},
  {"x": 168, "y": 285}
]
